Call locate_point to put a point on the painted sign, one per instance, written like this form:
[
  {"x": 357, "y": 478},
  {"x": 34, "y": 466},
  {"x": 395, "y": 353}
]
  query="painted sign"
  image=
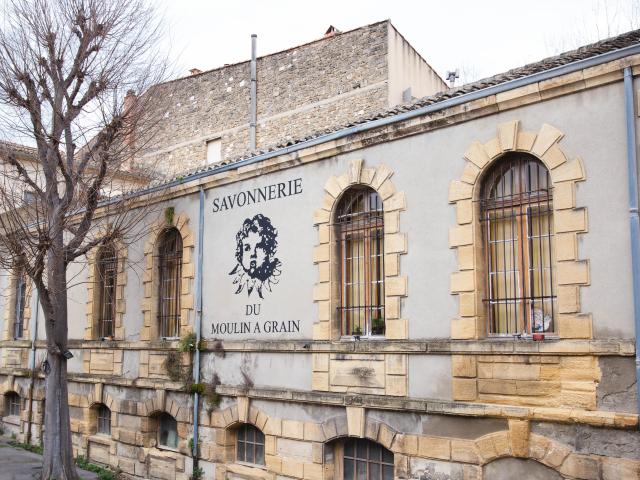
[
  {"x": 258, "y": 195},
  {"x": 257, "y": 249}
]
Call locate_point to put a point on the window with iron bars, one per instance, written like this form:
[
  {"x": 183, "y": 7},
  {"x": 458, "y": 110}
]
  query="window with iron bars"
[
  {"x": 250, "y": 445},
  {"x": 19, "y": 301},
  {"x": 169, "y": 282},
  {"x": 364, "y": 459},
  {"x": 104, "y": 420},
  {"x": 12, "y": 404},
  {"x": 517, "y": 219},
  {"x": 107, "y": 277},
  {"x": 359, "y": 231}
]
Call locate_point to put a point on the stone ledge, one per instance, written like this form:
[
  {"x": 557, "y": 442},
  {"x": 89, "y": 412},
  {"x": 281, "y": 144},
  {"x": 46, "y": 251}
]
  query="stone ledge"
[
  {"x": 441, "y": 407},
  {"x": 612, "y": 347},
  {"x": 382, "y": 402}
]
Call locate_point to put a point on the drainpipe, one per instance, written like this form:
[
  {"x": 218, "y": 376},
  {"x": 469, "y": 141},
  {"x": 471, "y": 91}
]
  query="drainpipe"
[
  {"x": 253, "y": 111},
  {"x": 196, "y": 366},
  {"x": 634, "y": 221},
  {"x": 32, "y": 365}
]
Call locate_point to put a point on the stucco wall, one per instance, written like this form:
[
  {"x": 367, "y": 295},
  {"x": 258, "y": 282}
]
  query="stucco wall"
[{"x": 407, "y": 69}]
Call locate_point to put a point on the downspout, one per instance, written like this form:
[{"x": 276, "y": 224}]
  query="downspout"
[
  {"x": 32, "y": 365},
  {"x": 253, "y": 110},
  {"x": 634, "y": 221},
  {"x": 196, "y": 365}
]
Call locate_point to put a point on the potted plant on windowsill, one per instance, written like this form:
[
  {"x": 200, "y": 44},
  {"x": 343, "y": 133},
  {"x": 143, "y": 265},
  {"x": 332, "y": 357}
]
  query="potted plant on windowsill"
[
  {"x": 357, "y": 332},
  {"x": 377, "y": 326}
]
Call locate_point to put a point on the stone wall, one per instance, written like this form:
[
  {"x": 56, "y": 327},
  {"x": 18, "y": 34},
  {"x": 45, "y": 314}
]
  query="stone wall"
[{"x": 300, "y": 91}]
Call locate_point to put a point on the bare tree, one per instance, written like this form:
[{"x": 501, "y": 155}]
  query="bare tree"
[
  {"x": 603, "y": 19},
  {"x": 65, "y": 66}
]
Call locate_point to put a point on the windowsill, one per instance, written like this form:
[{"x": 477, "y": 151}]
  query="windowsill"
[
  {"x": 352, "y": 338},
  {"x": 527, "y": 337},
  {"x": 251, "y": 465},
  {"x": 101, "y": 438},
  {"x": 12, "y": 419},
  {"x": 165, "y": 448},
  {"x": 249, "y": 470}
]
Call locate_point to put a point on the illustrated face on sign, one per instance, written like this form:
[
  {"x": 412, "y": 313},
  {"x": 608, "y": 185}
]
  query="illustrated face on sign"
[
  {"x": 254, "y": 253},
  {"x": 257, "y": 267}
]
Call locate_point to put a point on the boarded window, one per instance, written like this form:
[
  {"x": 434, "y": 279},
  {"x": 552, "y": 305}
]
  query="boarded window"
[
  {"x": 214, "y": 151},
  {"x": 250, "y": 445},
  {"x": 360, "y": 235},
  {"x": 517, "y": 219},
  {"x": 169, "y": 282}
]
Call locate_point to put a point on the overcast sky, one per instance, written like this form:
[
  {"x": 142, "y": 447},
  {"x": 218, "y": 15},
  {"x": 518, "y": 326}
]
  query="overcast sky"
[{"x": 480, "y": 38}]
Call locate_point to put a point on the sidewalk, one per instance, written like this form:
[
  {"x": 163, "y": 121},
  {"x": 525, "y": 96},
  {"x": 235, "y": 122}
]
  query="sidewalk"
[{"x": 19, "y": 464}]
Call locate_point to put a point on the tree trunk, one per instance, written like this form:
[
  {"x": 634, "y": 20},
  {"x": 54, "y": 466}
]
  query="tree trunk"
[{"x": 58, "y": 460}]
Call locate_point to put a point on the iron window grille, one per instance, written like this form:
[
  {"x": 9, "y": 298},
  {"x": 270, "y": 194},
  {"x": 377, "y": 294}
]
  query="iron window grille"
[
  {"x": 169, "y": 282},
  {"x": 250, "y": 445},
  {"x": 20, "y": 298},
  {"x": 519, "y": 242},
  {"x": 107, "y": 279},
  {"x": 104, "y": 420},
  {"x": 367, "y": 460},
  {"x": 167, "y": 431},
  {"x": 360, "y": 236},
  {"x": 13, "y": 406}
]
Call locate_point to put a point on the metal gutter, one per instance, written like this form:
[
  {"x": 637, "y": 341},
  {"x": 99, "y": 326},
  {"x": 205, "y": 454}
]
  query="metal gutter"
[
  {"x": 428, "y": 109},
  {"x": 634, "y": 220},
  {"x": 196, "y": 365}
]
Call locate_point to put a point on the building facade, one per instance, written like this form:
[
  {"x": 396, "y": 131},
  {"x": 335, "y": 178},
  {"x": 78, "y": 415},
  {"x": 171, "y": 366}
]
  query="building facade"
[{"x": 444, "y": 291}]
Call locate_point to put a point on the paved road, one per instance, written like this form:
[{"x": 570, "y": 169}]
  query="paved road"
[{"x": 19, "y": 464}]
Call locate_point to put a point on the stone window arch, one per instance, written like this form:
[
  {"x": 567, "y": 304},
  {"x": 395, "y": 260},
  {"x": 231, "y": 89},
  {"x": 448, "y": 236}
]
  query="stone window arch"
[
  {"x": 169, "y": 261},
  {"x": 107, "y": 268},
  {"x": 17, "y": 310},
  {"x": 12, "y": 404},
  {"x": 377, "y": 183},
  {"x": 106, "y": 302},
  {"x": 516, "y": 221},
  {"x": 103, "y": 419},
  {"x": 327, "y": 253},
  {"x": 569, "y": 220},
  {"x": 359, "y": 232},
  {"x": 174, "y": 225},
  {"x": 165, "y": 427}
]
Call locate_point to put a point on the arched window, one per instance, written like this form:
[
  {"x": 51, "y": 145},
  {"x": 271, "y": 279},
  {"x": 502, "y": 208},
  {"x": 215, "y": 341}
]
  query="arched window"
[
  {"x": 366, "y": 460},
  {"x": 103, "y": 420},
  {"x": 517, "y": 217},
  {"x": 360, "y": 236},
  {"x": 169, "y": 282},
  {"x": 12, "y": 404},
  {"x": 167, "y": 431},
  {"x": 249, "y": 445},
  {"x": 107, "y": 263},
  {"x": 20, "y": 296}
]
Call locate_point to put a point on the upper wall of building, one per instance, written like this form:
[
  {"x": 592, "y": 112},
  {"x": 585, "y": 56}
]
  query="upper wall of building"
[
  {"x": 302, "y": 90},
  {"x": 410, "y": 76}
]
